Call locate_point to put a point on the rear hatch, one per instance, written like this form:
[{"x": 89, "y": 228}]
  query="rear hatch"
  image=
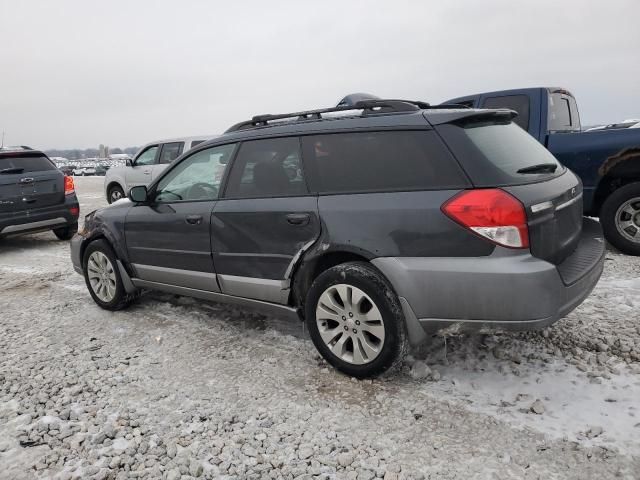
[
  {"x": 29, "y": 181},
  {"x": 497, "y": 153}
]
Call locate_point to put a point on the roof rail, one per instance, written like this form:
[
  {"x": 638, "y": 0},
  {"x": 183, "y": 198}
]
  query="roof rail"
[
  {"x": 14, "y": 148},
  {"x": 369, "y": 107}
]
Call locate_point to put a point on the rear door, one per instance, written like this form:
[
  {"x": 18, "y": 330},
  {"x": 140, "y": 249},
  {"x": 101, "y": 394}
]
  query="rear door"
[
  {"x": 29, "y": 181},
  {"x": 265, "y": 219}
]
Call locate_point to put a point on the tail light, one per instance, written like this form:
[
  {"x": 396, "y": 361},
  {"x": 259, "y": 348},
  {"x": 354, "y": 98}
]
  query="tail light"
[
  {"x": 69, "y": 187},
  {"x": 492, "y": 214},
  {"x": 75, "y": 211}
]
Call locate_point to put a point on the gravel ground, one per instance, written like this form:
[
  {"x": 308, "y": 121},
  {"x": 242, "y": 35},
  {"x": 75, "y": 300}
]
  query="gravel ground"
[{"x": 176, "y": 388}]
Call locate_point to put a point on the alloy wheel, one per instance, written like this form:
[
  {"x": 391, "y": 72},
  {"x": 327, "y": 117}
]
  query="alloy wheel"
[
  {"x": 628, "y": 219},
  {"x": 102, "y": 276},
  {"x": 350, "y": 324},
  {"x": 115, "y": 195}
]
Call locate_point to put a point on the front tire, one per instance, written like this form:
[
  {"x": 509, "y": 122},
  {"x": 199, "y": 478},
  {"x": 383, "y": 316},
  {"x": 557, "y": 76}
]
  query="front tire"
[
  {"x": 115, "y": 193},
  {"x": 355, "y": 320},
  {"x": 620, "y": 218},
  {"x": 66, "y": 233},
  {"x": 103, "y": 278}
]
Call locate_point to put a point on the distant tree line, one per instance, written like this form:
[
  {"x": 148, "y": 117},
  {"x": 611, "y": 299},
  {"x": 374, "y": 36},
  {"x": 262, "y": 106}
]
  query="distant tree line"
[{"x": 78, "y": 154}]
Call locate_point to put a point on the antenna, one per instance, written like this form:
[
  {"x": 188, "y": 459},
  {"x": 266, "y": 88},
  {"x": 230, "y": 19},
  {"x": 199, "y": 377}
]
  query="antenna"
[{"x": 2, "y": 145}]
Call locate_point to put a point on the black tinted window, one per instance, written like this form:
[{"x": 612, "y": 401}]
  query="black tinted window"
[
  {"x": 492, "y": 153},
  {"x": 379, "y": 161},
  {"x": 171, "y": 151},
  {"x": 267, "y": 168},
  {"x": 519, "y": 103},
  {"x": 22, "y": 164}
]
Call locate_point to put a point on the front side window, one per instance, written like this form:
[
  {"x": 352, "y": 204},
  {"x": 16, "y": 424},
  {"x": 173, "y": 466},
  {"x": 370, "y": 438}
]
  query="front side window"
[
  {"x": 196, "y": 178},
  {"x": 380, "y": 161},
  {"x": 148, "y": 157},
  {"x": 519, "y": 103},
  {"x": 267, "y": 168},
  {"x": 171, "y": 151}
]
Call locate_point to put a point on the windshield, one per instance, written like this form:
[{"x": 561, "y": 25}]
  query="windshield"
[
  {"x": 499, "y": 153},
  {"x": 23, "y": 164}
]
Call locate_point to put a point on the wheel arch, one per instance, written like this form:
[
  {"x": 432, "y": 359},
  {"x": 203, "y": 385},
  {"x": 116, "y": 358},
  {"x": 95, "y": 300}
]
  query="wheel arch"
[
  {"x": 125, "y": 272},
  {"x": 114, "y": 183},
  {"x": 317, "y": 261},
  {"x": 608, "y": 185}
]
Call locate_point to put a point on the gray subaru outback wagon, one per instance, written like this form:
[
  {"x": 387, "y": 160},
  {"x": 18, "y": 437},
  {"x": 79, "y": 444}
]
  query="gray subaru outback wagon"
[{"x": 378, "y": 224}]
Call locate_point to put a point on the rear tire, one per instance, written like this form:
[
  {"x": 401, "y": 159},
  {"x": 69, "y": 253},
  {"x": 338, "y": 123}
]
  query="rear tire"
[
  {"x": 362, "y": 332},
  {"x": 66, "y": 233},
  {"x": 114, "y": 194},
  {"x": 103, "y": 278},
  {"x": 620, "y": 218}
]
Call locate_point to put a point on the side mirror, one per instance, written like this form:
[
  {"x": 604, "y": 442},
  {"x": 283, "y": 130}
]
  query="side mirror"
[
  {"x": 129, "y": 162},
  {"x": 138, "y": 194}
]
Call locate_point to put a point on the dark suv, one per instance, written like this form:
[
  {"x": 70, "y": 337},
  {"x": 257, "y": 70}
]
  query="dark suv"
[
  {"x": 377, "y": 224},
  {"x": 35, "y": 195}
]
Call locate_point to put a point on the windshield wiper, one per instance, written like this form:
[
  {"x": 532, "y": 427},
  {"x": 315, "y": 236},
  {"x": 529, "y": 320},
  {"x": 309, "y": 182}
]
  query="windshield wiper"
[
  {"x": 540, "y": 168},
  {"x": 12, "y": 170}
]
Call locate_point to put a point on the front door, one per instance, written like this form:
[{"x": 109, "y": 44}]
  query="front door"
[
  {"x": 264, "y": 221},
  {"x": 141, "y": 172},
  {"x": 168, "y": 240},
  {"x": 168, "y": 153}
]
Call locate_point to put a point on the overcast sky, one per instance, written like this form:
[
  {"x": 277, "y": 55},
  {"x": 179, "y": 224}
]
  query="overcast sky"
[{"x": 77, "y": 73}]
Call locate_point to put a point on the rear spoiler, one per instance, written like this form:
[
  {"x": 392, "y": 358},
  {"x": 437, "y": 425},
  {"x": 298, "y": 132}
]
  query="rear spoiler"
[{"x": 466, "y": 115}]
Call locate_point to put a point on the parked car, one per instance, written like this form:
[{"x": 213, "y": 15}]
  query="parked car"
[
  {"x": 83, "y": 171},
  {"x": 147, "y": 165},
  {"x": 377, "y": 228},
  {"x": 101, "y": 170},
  {"x": 66, "y": 169},
  {"x": 35, "y": 195},
  {"x": 607, "y": 160}
]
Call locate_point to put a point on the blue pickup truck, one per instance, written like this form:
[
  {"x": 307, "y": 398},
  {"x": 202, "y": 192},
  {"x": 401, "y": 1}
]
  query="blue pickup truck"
[{"x": 607, "y": 160}]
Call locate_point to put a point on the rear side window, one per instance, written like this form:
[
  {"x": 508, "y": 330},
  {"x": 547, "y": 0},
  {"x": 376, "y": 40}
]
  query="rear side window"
[
  {"x": 171, "y": 151},
  {"x": 519, "y": 103},
  {"x": 494, "y": 153},
  {"x": 267, "y": 168},
  {"x": 23, "y": 164},
  {"x": 563, "y": 113},
  {"x": 380, "y": 161}
]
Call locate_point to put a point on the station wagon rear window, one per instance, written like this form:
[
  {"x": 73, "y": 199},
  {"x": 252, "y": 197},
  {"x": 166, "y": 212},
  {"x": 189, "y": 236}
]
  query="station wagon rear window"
[{"x": 495, "y": 154}]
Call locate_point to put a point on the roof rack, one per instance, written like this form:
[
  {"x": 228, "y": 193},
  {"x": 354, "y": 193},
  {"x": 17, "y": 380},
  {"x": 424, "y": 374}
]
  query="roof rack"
[{"x": 369, "y": 107}]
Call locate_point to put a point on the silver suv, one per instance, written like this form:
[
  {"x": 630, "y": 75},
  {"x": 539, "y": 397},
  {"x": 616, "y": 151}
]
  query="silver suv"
[{"x": 150, "y": 160}]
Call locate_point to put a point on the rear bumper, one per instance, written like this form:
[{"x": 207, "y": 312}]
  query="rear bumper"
[
  {"x": 46, "y": 218},
  {"x": 507, "y": 290}
]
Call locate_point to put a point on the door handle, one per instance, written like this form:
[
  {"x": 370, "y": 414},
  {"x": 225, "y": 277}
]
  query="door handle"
[
  {"x": 147, "y": 172},
  {"x": 194, "y": 219},
  {"x": 298, "y": 218}
]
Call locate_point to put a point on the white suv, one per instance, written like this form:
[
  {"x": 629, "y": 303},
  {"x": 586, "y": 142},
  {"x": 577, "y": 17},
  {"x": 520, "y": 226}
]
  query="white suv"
[{"x": 150, "y": 160}]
